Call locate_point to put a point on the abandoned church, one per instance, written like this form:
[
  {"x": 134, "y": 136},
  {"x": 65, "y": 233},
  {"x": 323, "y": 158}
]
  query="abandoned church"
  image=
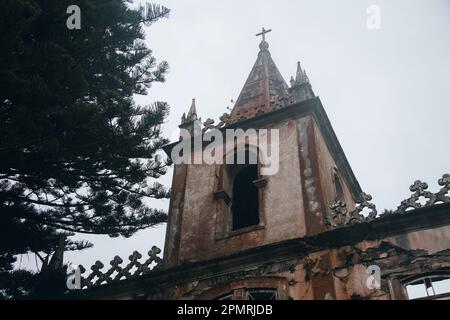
[{"x": 307, "y": 232}]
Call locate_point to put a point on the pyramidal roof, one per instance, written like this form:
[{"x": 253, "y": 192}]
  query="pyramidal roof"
[{"x": 264, "y": 86}]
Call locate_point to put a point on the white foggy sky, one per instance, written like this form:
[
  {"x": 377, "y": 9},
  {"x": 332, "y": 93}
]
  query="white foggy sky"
[{"x": 386, "y": 92}]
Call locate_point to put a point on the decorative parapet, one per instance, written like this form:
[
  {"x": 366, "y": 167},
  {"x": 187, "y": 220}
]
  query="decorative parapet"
[
  {"x": 209, "y": 123},
  {"x": 419, "y": 190},
  {"x": 117, "y": 273},
  {"x": 341, "y": 217}
]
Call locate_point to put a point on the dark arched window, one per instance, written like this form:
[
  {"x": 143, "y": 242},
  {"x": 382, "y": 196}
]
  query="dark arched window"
[
  {"x": 245, "y": 198},
  {"x": 244, "y": 193}
]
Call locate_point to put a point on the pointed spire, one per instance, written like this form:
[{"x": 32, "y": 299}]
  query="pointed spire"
[
  {"x": 191, "y": 122},
  {"x": 192, "y": 114},
  {"x": 299, "y": 73},
  {"x": 263, "y": 87},
  {"x": 292, "y": 81},
  {"x": 305, "y": 76},
  {"x": 300, "y": 87},
  {"x": 300, "y": 76}
]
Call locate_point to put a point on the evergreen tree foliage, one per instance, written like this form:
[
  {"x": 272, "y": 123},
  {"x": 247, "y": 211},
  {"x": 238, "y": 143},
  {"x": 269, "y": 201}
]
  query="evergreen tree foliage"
[{"x": 77, "y": 154}]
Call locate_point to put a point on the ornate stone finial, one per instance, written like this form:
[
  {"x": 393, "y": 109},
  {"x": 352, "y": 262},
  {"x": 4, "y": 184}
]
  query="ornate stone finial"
[
  {"x": 192, "y": 114},
  {"x": 300, "y": 76},
  {"x": 192, "y": 110},
  {"x": 305, "y": 77},
  {"x": 263, "y": 46},
  {"x": 300, "y": 87}
]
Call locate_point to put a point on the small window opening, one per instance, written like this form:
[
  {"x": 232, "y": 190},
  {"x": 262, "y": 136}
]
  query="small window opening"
[{"x": 338, "y": 187}]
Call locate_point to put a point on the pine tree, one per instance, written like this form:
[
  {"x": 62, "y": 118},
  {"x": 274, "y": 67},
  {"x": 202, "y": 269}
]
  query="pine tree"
[{"x": 77, "y": 154}]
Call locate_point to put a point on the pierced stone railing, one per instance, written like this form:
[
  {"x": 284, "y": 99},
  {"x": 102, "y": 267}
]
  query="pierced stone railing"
[
  {"x": 341, "y": 217},
  {"x": 117, "y": 272}
]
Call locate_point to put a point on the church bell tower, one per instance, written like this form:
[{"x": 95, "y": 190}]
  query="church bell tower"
[{"x": 221, "y": 209}]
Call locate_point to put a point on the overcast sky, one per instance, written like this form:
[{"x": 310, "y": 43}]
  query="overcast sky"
[{"x": 386, "y": 92}]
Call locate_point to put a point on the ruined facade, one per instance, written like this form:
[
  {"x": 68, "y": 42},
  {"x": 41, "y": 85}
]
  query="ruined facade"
[{"x": 306, "y": 232}]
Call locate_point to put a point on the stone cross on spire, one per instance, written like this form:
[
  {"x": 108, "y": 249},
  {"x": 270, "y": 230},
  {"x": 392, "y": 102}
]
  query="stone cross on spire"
[{"x": 263, "y": 34}]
